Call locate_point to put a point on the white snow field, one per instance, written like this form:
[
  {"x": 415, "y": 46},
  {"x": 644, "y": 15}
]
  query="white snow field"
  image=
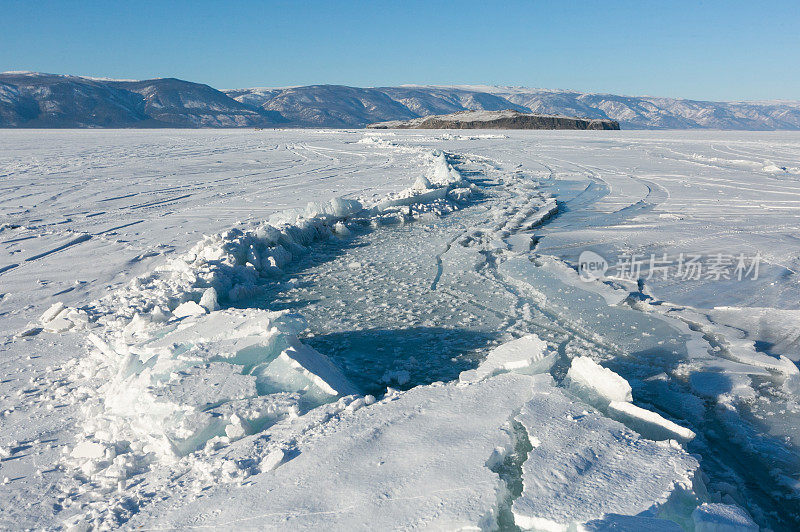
[{"x": 368, "y": 330}]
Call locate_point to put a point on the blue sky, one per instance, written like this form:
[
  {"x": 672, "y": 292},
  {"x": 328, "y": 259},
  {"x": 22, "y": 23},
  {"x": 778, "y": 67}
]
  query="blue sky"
[{"x": 702, "y": 49}]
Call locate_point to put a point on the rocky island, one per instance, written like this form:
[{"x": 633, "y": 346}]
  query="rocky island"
[{"x": 508, "y": 119}]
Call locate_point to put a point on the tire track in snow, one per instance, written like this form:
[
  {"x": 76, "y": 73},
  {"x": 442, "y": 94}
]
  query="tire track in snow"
[{"x": 73, "y": 242}]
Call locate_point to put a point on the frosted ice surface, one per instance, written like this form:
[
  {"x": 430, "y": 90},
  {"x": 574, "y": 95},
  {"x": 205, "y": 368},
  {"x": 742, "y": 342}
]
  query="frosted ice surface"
[
  {"x": 416, "y": 461},
  {"x": 207, "y": 385},
  {"x": 716, "y": 517},
  {"x": 584, "y": 466},
  {"x": 630, "y": 523}
]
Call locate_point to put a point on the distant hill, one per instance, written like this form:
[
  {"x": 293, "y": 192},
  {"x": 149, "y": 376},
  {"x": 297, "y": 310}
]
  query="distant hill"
[
  {"x": 55, "y": 101},
  {"x": 327, "y": 105},
  {"x": 30, "y": 99}
]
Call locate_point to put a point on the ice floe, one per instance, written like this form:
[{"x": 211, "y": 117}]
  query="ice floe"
[
  {"x": 595, "y": 384},
  {"x": 584, "y": 466},
  {"x": 528, "y": 354}
]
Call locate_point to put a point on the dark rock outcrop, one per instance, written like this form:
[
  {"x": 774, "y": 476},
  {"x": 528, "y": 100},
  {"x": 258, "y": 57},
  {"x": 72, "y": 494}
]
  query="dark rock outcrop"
[{"x": 506, "y": 119}]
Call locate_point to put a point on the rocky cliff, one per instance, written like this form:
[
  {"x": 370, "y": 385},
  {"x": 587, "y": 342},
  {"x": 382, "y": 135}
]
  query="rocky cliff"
[{"x": 506, "y": 119}]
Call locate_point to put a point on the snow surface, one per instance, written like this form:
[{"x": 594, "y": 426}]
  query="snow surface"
[
  {"x": 350, "y": 330},
  {"x": 417, "y": 460},
  {"x": 583, "y": 466}
]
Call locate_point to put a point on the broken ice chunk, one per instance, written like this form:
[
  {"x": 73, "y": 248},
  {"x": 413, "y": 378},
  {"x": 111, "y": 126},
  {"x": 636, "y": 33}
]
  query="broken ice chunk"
[
  {"x": 258, "y": 413},
  {"x": 647, "y": 423},
  {"x": 137, "y": 325},
  {"x": 338, "y": 207},
  {"x": 54, "y": 310},
  {"x": 245, "y": 338},
  {"x": 225, "y": 374},
  {"x": 78, "y": 317},
  {"x": 460, "y": 194},
  {"x": 528, "y": 355},
  {"x": 59, "y": 323},
  {"x": 341, "y": 229},
  {"x": 190, "y": 308},
  {"x": 722, "y": 518},
  {"x": 88, "y": 449},
  {"x": 595, "y": 384},
  {"x": 272, "y": 460},
  {"x": 587, "y": 466},
  {"x": 179, "y": 408},
  {"x": 399, "y": 376},
  {"x": 301, "y": 368},
  {"x": 237, "y": 428},
  {"x": 421, "y": 184},
  {"x": 209, "y": 300}
]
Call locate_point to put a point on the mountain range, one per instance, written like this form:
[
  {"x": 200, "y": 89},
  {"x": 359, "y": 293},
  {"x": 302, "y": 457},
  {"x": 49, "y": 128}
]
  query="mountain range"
[{"x": 37, "y": 100}]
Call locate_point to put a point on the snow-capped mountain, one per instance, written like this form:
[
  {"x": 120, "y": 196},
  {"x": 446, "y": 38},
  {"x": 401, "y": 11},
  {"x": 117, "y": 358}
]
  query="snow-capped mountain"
[
  {"x": 50, "y": 100},
  {"x": 29, "y": 99},
  {"x": 645, "y": 112},
  {"x": 355, "y": 107},
  {"x": 327, "y": 105}
]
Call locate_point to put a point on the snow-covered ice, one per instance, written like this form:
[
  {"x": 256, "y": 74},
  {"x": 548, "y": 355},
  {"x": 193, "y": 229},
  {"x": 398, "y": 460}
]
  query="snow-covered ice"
[
  {"x": 369, "y": 330},
  {"x": 582, "y": 467},
  {"x": 528, "y": 354},
  {"x": 595, "y": 384},
  {"x": 721, "y": 518},
  {"x": 416, "y": 460}
]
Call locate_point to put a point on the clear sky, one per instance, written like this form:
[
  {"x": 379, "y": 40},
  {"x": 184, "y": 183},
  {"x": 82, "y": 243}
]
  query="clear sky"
[{"x": 715, "y": 50}]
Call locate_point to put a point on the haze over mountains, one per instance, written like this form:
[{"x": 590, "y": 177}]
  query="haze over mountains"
[{"x": 31, "y": 100}]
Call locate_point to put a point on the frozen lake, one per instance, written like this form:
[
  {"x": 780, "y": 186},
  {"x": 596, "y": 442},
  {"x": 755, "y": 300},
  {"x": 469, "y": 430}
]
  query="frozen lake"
[{"x": 169, "y": 385}]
